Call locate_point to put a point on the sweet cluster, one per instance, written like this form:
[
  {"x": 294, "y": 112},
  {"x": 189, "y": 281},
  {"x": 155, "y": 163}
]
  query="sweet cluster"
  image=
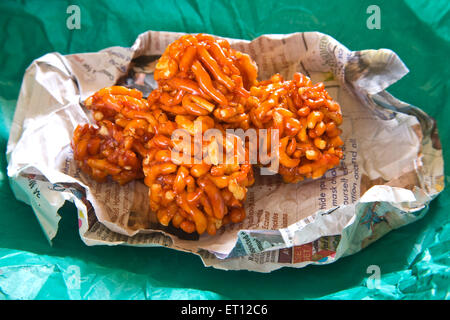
[{"x": 204, "y": 85}]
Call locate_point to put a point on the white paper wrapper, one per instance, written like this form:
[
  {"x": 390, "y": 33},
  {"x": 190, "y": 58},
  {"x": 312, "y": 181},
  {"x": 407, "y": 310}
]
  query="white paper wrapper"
[{"x": 392, "y": 168}]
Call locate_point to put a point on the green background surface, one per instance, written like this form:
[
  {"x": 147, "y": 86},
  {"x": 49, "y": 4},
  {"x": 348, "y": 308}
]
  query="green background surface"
[{"x": 414, "y": 260}]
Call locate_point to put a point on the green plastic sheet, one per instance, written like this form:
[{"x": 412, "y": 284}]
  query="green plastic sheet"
[{"x": 413, "y": 261}]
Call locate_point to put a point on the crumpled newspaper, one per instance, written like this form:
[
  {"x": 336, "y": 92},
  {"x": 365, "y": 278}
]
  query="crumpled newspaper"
[{"x": 392, "y": 168}]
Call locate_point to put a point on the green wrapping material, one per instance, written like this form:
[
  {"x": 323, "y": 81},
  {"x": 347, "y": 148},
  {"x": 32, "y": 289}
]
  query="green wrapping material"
[{"x": 414, "y": 260}]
